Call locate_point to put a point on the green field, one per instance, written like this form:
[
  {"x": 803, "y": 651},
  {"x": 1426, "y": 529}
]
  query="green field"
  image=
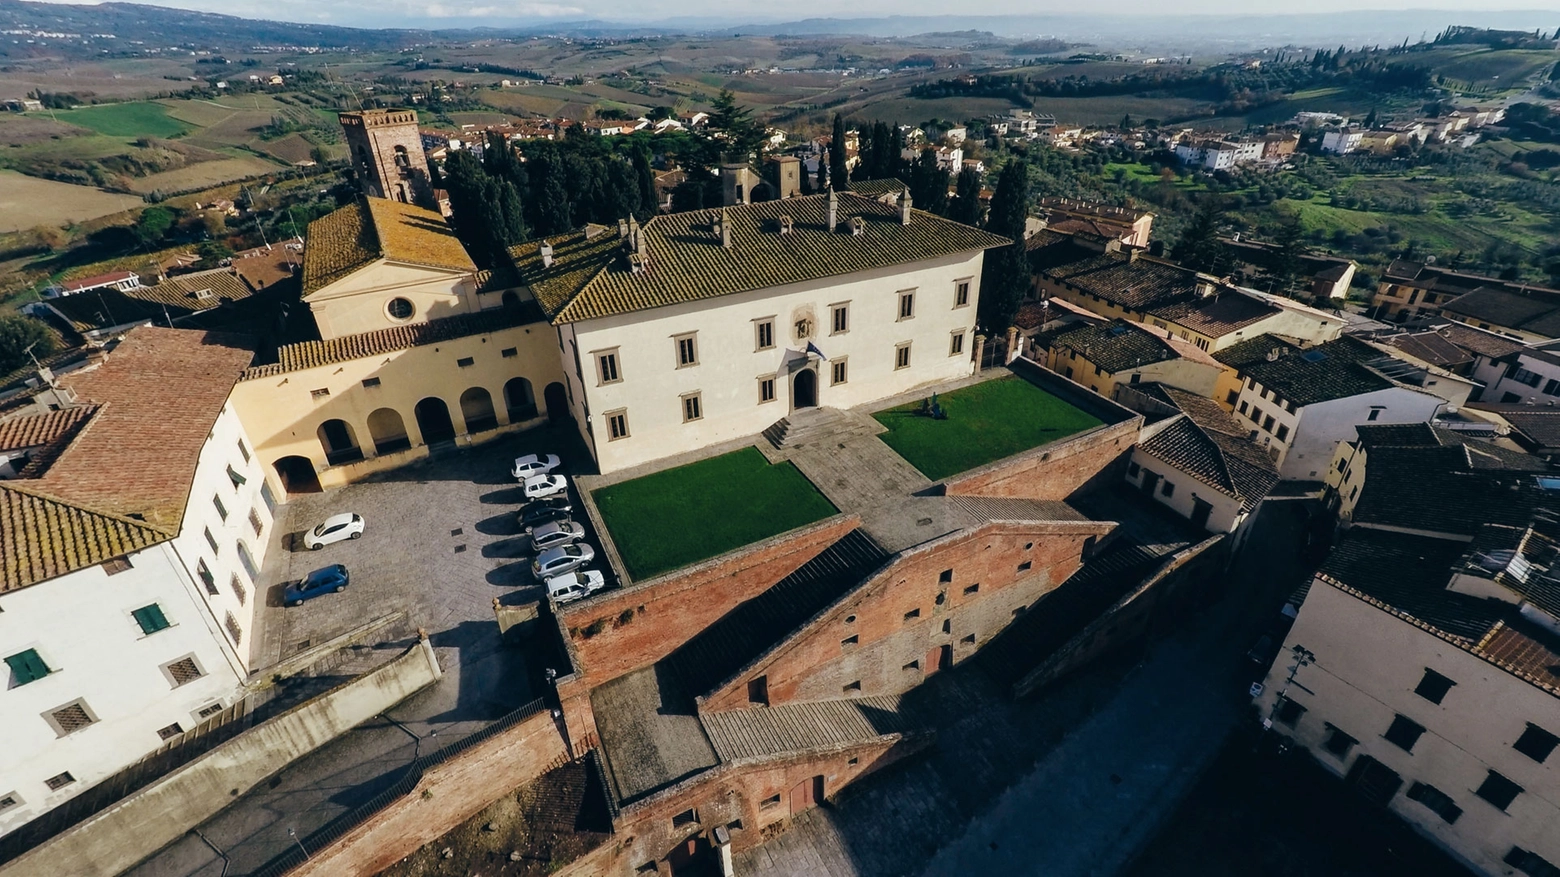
[
  {"x": 986, "y": 422},
  {"x": 669, "y": 519},
  {"x": 130, "y": 120}
]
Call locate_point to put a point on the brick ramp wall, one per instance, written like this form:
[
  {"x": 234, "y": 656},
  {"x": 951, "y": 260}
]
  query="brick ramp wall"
[
  {"x": 116, "y": 839},
  {"x": 1054, "y": 471},
  {"x": 435, "y": 797}
]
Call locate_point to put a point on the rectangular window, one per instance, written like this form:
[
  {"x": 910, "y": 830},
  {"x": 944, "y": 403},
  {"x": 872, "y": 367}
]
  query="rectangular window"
[
  {"x": 509, "y": 352},
  {"x": 239, "y": 591},
  {"x": 851, "y": 687},
  {"x": 607, "y": 367},
  {"x": 693, "y": 407},
  {"x": 1433, "y": 687},
  {"x": 838, "y": 372},
  {"x": 849, "y": 641},
  {"x": 764, "y": 330},
  {"x": 687, "y": 817},
  {"x": 465, "y": 362},
  {"x": 26, "y": 667},
  {"x": 945, "y": 576},
  {"x": 1243, "y": 408},
  {"x": 7, "y": 801},
  {"x": 321, "y": 393},
  {"x": 1498, "y": 790},
  {"x": 237, "y": 479},
  {"x": 243, "y": 451},
  {"x": 1283, "y": 432},
  {"x": 912, "y": 667},
  {"x": 59, "y": 781},
  {"x": 770, "y": 802},
  {"x": 1167, "y": 488},
  {"x": 212, "y": 541},
  {"x": 207, "y": 712},
  {"x": 907, "y": 304},
  {"x": 617, "y": 425},
  {"x": 956, "y": 346},
  {"x": 766, "y": 390},
  {"x": 1531, "y": 864},
  {"x": 687, "y": 351},
  {"x": 1536, "y": 743},
  {"x": 171, "y": 731},
  {"x": 71, "y": 718},
  {"x": 221, "y": 509},
  {"x": 369, "y": 383},
  {"x": 151, "y": 619},
  {"x": 204, "y": 571},
  {"x": 912, "y": 614},
  {"x": 902, "y": 355},
  {"x": 1437, "y": 801},
  {"x": 234, "y": 629},
  {"x": 1289, "y": 712},
  {"x": 961, "y": 293},
  {"x": 1267, "y": 423},
  {"x": 116, "y": 566},
  {"x": 1337, "y": 742},
  {"x": 1374, "y": 413},
  {"x": 183, "y": 671},
  {"x": 972, "y": 589},
  {"x": 841, "y": 323},
  {"x": 1026, "y": 566},
  {"x": 1404, "y": 733},
  {"x": 255, "y": 523}
]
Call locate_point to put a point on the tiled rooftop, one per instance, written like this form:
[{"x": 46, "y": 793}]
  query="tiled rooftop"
[
  {"x": 1116, "y": 346},
  {"x": 33, "y": 430},
  {"x": 42, "y": 537},
  {"x": 1410, "y": 574},
  {"x": 1441, "y": 490},
  {"x": 1211, "y": 445},
  {"x": 312, "y": 354},
  {"x": 590, "y": 276},
  {"x": 173, "y": 298},
  {"x": 373, "y": 228},
  {"x": 1305, "y": 376},
  {"x": 803, "y": 727}
]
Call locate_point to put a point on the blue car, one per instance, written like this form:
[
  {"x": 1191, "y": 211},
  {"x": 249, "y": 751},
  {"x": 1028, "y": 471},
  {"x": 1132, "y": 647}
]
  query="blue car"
[{"x": 324, "y": 580}]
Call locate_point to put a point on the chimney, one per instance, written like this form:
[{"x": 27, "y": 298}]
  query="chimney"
[
  {"x": 547, "y": 255},
  {"x": 834, "y": 209},
  {"x": 622, "y": 229},
  {"x": 857, "y": 225},
  {"x": 641, "y": 249},
  {"x": 786, "y": 224},
  {"x": 904, "y": 208},
  {"x": 725, "y": 229},
  {"x": 631, "y": 237}
]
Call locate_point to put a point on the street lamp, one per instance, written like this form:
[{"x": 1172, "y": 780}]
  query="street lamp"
[{"x": 1303, "y": 657}]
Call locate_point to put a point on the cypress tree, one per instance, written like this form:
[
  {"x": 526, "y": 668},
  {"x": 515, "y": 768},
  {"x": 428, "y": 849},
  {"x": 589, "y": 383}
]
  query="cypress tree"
[
  {"x": 1199, "y": 247},
  {"x": 839, "y": 173},
  {"x": 649, "y": 202},
  {"x": 1006, "y": 280},
  {"x": 966, "y": 198},
  {"x": 929, "y": 183}
]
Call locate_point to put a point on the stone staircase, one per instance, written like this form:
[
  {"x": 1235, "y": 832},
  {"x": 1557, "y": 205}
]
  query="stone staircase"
[{"x": 811, "y": 426}]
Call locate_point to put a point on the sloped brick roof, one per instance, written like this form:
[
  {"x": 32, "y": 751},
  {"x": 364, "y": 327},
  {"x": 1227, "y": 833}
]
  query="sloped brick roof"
[
  {"x": 1116, "y": 346},
  {"x": 1307, "y": 376},
  {"x": 590, "y": 276},
  {"x": 373, "y": 228},
  {"x": 174, "y": 298},
  {"x": 32, "y": 430},
  {"x": 1438, "y": 489},
  {"x": 805, "y": 727},
  {"x": 1211, "y": 446},
  {"x": 1410, "y": 573},
  {"x": 42, "y": 537}
]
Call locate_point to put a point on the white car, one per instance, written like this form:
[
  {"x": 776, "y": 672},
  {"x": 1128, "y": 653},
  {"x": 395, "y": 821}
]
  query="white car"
[
  {"x": 534, "y": 464},
  {"x": 555, "y": 533},
  {"x": 538, "y": 486},
  {"x": 565, "y": 558},
  {"x": 575, "y": 585},
  {"x": 336, "y": 528}
]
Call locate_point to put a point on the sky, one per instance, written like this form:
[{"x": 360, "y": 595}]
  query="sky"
[{"x": 462, "y": 13}]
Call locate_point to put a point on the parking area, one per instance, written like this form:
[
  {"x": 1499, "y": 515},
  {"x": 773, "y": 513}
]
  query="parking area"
[{"x": 440, "y": 542}]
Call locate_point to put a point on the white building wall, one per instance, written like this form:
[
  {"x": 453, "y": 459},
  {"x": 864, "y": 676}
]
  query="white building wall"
[
  {"x": 1314, "y": 431},
  {"x": 1533, "y": 382},
  {"x": 729, "y": 367},
  {"x": 1226, "y": 515},
  {"x": 1367, "y": 666}
]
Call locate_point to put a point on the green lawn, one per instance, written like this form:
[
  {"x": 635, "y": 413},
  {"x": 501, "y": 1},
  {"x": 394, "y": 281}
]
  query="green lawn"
[
  {"x": 986, "y": 422},
  {"x": 679, "y": 516},
  {"x": 135, "y": 119}
]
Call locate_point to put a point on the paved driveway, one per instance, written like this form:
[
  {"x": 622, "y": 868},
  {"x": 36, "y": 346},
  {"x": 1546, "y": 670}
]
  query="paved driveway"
[{"x": 441, "y": 543}]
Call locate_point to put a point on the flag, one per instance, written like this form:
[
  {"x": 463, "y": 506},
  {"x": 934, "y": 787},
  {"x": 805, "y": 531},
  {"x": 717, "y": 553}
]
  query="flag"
[{"x": 813, "y": 348}]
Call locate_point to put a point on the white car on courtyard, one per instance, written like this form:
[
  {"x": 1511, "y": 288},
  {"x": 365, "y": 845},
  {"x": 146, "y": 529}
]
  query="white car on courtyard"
[
  {"x": 336, "y": 528},
  {"x": 575, "y": 585},
  {"x": 555, "y": 533},
  {"x": 538, "y": 486},
  {"x": 534, "y": 464},
  {"x": 557, "y": 561}
]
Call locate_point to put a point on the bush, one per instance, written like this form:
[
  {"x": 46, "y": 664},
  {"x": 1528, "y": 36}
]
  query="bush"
[{"x": 17, "y": 333}]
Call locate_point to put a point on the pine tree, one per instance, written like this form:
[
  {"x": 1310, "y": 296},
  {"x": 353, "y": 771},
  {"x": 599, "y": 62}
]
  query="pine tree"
[
  {"x": 1285, "y": 266},
  {"x": 965, "y": 207},
  {"x": 1199, "y": 247},
  {"x": 839, "y": 172},
  {"x": 1006, "y": 277},
  {"x": 734, "y": 124}
]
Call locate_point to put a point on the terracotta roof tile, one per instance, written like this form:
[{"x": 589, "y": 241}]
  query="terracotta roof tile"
[
  {"x": 42, "y": 537},
  {"x": 1210, "y": 445},
  {"x": 33, "y": 430},
  {"x": 374, "y": 228},
  {"x": 590, "y": 276},
  {"x": 174, "y": 298},
  {"x": 312, "y": 354}
]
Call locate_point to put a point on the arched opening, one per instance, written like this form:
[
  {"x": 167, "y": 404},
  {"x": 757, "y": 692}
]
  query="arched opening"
[
  {"x": 476, "y": 408},
  {"x": 804, "y": 389},
  {"x": 248, "y": 561},
  {"x": 402, "y": 159},
  {"x": 297, "y": 475},
  {"x": 519, "y": 400},
  {"x": 511, "y": 300},
  {"x": 340, "y": 443},
  {"x": 433, "y": 421},
  {"x": 557, "y": 399},
  {"x": 388, "y": 431}
]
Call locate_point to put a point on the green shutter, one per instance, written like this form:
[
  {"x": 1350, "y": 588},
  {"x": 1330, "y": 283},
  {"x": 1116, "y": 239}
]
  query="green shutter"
[
  {"x": 150, "y": 618},
  {"x": 27, "y": 666}
]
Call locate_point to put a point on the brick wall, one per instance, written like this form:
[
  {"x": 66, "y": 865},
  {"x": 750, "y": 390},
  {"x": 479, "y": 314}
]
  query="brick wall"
[
  {"x": 641, "y": 624},
  {"x": 958, "y": 592},
  {"x": 1054, "y": 471},
  {"x": 449, "y": 794}
]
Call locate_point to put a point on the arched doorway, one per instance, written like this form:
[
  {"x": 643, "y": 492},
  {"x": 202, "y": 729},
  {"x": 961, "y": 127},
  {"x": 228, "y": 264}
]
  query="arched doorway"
[
  {"x": 388, "y": 431},
  {"x": 476, "y": 408},
  {"x": 804, "y": 389},
  {"x": 297, "y": 475},
  {"x": 557, "y": 399},
  {"x": 510, "y": 300},
  {"x": 519, "y": 400},
  {"x": 433, "y": 421},
  {"x": 340, "y": 442}
]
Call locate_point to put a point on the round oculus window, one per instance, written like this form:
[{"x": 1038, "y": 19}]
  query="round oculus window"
[{"x": 400, "y": 309}]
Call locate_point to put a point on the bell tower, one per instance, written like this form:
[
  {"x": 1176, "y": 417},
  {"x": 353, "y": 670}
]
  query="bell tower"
[{"x": 387, "y": 154}]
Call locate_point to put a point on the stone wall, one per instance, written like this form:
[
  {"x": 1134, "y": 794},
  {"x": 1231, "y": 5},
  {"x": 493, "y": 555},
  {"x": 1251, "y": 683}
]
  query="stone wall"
[
  {"x": 934, "y": 606},
  {"x": 1054, "y": 471},
  {"x": 447, "y": 795},
  {"x": 624, "y": 630},
  {"x": 115, "y": 839}
]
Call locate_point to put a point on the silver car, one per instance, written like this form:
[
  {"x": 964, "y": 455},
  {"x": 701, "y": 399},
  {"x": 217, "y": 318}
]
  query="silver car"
[
  {"x": 555, "y": 533},
  {"x": 565, "y": 558},
  {"x": 575, "y": 585}
]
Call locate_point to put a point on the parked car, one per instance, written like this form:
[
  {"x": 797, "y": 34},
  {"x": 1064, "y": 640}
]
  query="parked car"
[
  {"x": 565, "y": 558},
  {"x": 336, "y": 528},
  {"x": 542, "y": 512},
  {"x": 534, "y": 464},
  {"x": 538, "y": 486},
  {"x": 575, "y": 585},
  {"x": 555, "y": 533},
  {"x": 325, "y": 580}
]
